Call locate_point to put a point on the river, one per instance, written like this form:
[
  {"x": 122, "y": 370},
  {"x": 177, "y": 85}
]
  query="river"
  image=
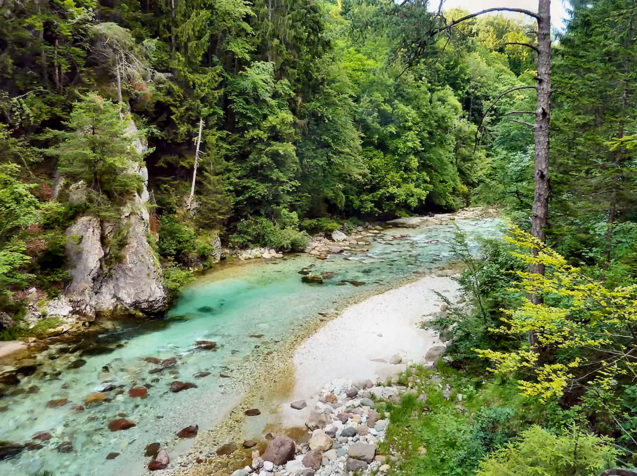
[{"x": 248, "y": 310}]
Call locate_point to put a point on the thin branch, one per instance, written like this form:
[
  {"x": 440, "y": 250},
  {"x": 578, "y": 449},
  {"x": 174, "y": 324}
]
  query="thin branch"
[
  {"x": 492, "y": 105},
  {"x": 528, "y": 45},
  {"x": 524, "y": 123},
  {"x": 511, "y": 113}
]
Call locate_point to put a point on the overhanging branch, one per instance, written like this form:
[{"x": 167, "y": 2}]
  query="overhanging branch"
[
  {"x": 512, "y": 113},
  {"x": 528, "y": 45},
  {"x": 524, "y": 123},
  {"x": 488, "y": 10}
]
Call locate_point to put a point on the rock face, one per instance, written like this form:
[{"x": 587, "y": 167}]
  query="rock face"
[{"x": 113, "y": 266}]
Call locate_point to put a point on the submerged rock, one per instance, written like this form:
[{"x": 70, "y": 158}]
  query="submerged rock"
[
  {"x": 178, "y": 386},
  {"x": 280, "y": 450},
  {"x": 120, "y": 424},
  {"x": 206, "y": 345},
  {"x": 312, "y": 279},
  {"x": 97, "y": 397},
  {"x": 42, "y": 436},
  {"x": 226, "y": 449},
  {"x": 138, "y": 392},
  {"x": 9, "y": 450},
  {"x": 252, "y": 412},
  {"x": 152, "y": 449},
  {"x": 112, "y": 455},
  {"x": 188, "y": 432},
  {"x": 249, "y": 443},
  {"x": 66, "y": 447},
  {"x": 60, "y": 402}
]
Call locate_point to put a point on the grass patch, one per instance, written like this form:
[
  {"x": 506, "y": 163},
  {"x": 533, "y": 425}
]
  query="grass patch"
[{"x": 437, "y": 435}]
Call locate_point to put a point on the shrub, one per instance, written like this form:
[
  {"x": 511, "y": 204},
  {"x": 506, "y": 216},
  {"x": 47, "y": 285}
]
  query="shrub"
[
  {"x": 320, "y": 225},
  {"x": 543, "y": 453},
  {"x": 175, "y": 279},
  {"x": 176, "y": 240},
  {"x": 262, "y": 232}
]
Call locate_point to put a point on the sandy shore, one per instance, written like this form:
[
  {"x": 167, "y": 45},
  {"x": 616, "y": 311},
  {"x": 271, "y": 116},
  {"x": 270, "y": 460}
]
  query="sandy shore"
[{"x": 361, "y": 343}]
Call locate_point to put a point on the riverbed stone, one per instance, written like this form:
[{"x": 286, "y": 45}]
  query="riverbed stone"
[
  {"x": 178, "y": 386},
  {"x": 66, "y": 447},
  {"x": 206, "y": 345},
  {"x": 120, "y": 424},
  {"x": 280, "y": 450},
  {"x": 152, "y": 449},
  {"x": 57, "y": 403},
  {"x": 112, "y": 455},
  {"x": 160, "y": 461},
  {"x": 138, "y": 392},
  {"x": 9, "y": 449},
  {"x": 188, "y": 432},
  {"x": 362, "y": 451},
  {"x": 249, "y": 443},
  {"x": 226, "y": 449},
  {"x": 252, "y": 412},
  {"x": 42, "y": 436},
  {"x": 320, "y": 441}
]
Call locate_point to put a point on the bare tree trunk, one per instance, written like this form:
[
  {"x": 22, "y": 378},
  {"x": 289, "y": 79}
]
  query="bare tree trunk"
[
  {"x": 173, "y": 42},
  {"x": 118, "y": 74},
  {"x": 542, "y": 133},
  {"x": 194, "y": 169}
]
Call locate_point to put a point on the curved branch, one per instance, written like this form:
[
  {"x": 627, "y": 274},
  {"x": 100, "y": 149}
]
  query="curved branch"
[
  {"x": 524, "y": 123},
  {"x": 528, "y": 45},
  {"x": 488, "y": 10},
  {"x": 511, "y": 113},
  {"x": 492, "y": 105}
]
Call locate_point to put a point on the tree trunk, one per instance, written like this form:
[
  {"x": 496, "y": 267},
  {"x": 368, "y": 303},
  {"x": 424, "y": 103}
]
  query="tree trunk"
[
  {"x": 194, "y": 169},
  {"x": 542, "y": 133}
]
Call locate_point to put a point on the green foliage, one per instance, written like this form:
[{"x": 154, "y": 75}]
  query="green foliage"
[
  {"x": 543, "y": 453},
  {"x": 176, "y": 238},
  {"x": 263, "y": 232},
  {"x": 98, "y": 150},
  {"x": 436, "y": 435},
  {"x": 175, "y": 279}
]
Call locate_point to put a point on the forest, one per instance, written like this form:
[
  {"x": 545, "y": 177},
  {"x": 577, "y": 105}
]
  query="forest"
[{"x": 204, "y": 127}]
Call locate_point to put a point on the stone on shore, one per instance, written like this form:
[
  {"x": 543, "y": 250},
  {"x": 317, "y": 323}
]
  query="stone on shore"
[
  {"x": 160, "y": 461},
  {"x": 313, "y": 459},
  {"x": 298, "y": 405},
  {"x": 280, "y": 450},
  {"x": 362, "y": 451},
  {"x": 355, "y": 465},
  {"x": 317, "y": 420},
  {"x": 320, "y": 441},
  {"x": 338, "y": 236}
]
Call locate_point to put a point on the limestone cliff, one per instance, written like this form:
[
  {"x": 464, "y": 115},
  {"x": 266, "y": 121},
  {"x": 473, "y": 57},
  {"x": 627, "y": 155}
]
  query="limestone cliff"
[{"x": 113, "y": 266}]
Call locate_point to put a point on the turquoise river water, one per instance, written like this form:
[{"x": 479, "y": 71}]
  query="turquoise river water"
[{"x": 247, "y": 309}]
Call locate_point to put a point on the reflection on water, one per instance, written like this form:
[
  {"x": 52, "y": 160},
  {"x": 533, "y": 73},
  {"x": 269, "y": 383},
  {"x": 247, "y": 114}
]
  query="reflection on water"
[{"x": 68, "y": 395}]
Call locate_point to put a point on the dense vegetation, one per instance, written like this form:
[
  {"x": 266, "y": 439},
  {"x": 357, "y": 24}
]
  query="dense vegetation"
[{"x": 309, "y": 114}]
